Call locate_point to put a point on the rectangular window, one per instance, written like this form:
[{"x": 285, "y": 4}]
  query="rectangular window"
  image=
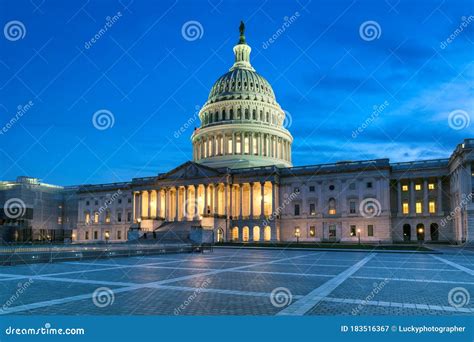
[
  {"x": 119, "y": 235},
  {"x": 107, "y": 216},
  {"x": 311, "y": 188},
  {"x": 87, "y": 203},
  {"x": 352, "y": 207},
  {"x": 370, "y": 230},
  {"x": 119, "y": 201},
  {"x": 431, "y": 186},
  {"x": 129, "y": 216},
  {"x": 312, "y": 209},
  {"x": 312, "y": 231},
  {"x": 87, "y": 217},
  {"x": 332, "y": 211},
  {"x": 404, "y": 188},
  {"x": 238, "y": 145},
  {"x": 369, "y": 185},
  {"x": 432, "y": 207},
  {"x": 87, "y": 236},
  {"x": 129, "y": 200},
  {"x": 353, "y": 230},
  {"x": 246, "y": 145},
  {"x": 297, "y": 209},
  {"x": 229, "y": 146},
  {"x": 405, "y": 207},
  {"x": 119, "y": 217},
  {"x": 255, "y": 146},
  {"x": 96, "y": 235},
  {"x": 417, "y": 187},
  {"x": 418, "y": 208},
  {"x": 96, "y": 217}
]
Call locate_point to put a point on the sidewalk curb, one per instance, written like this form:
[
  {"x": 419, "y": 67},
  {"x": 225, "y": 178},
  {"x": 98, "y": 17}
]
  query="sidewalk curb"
[{"x": 330, "y": 249}]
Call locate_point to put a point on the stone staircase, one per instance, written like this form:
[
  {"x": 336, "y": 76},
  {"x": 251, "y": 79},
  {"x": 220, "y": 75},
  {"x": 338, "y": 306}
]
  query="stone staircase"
[{"x": 171, "y": 232}]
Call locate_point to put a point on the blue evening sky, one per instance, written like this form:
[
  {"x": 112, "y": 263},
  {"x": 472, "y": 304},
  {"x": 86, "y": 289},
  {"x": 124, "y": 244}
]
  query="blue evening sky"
[{"x": 144, "y": 71}]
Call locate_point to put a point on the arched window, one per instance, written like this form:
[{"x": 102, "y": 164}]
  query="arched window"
[
  {"x": 223, "y": 115},
  {"x": 96, "y": 217},
  {"x": 231, "y": 114},
  {"x": 87, "y": 217},
  {"x": 245, "y": 234},
  {"x": 235, "y": 234},
  {"x": 254, "y": 114},
  {"x": 256, "y": 233},
  {"x": 332, "y": 206},
  {"x": 420, "y": 231},
  {"x": 267, "y": 233},
  {"x": 220, "y": 235},
  {"x": 247, "y": 114},
  {"x": 239, "y": 113},
  {"x": 406, "y": 232}
]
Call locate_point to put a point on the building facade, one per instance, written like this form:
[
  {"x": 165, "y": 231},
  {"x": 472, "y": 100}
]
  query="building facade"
[{"x": 241, "y": 185}]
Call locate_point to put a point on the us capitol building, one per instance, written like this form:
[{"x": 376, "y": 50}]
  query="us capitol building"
[{"x": 242, "y": 187}]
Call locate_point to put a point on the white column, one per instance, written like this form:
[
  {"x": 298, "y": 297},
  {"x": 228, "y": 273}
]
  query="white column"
[
  {"x": 262, "y": 201},
  {"x": 204, "y": 207},
  {"x": 149, "y": 204},
  {"x": 176, "y": 204},
  {"x": 241, "y": 196},
  {"x": 158, "y": 203},
  {"x": 440, "y": 196},
  {"x": 196, "y": 201},
  {"x": 216, "y": 199},
  {"x": 251, "y": 200}
]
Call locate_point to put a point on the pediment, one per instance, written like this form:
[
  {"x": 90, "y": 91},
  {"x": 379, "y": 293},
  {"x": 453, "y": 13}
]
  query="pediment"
[{"x": 190, "y": 170}]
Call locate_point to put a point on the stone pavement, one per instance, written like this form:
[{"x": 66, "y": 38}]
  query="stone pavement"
[{"x": 245, "y": 282}]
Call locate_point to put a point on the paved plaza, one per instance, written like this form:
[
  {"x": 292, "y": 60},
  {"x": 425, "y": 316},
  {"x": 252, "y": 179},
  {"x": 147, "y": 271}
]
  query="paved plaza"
[{"x": 245, "y": 282}]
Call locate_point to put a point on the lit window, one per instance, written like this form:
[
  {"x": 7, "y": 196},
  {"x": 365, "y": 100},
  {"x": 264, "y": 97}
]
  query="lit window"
[
  {"x": 60, "y": 220},
  {"x": 238, "y": 144},
  {"x": 405, "y": 208},
  {"x": 431, "y": 186},
  {"x": 353, "y": 230},
  {"x": 417, "y": 187},
  {"x": 404, "y": 187},
  {"x": 332, "y": 206},
  {"x": 246, "y": 145},
  {"x": 418, "y": 208},
  {"x": 229, "y": 146},
  {"x": 87, "y": 217},
  {"x": 96, "y": 217},
  {"x": 432, "y": 207},
  {"x": 312, "y": 209},
  {"x": 370, "y": 230},
  {"x": 312, "y": 231},
  {"x": 107, "y": 216}
]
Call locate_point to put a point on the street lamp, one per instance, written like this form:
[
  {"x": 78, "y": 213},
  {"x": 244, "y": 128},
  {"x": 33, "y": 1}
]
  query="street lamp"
[
  {"x": 358, "y": 234},
  {"x": 420, "y": 231},
  {"x": 107, "y": 236},
  {"x": 297, "y": 235}
]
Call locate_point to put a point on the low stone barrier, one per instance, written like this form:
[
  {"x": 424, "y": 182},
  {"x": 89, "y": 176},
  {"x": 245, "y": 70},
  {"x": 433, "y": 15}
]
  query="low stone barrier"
[{"x": 34, "y": 254}]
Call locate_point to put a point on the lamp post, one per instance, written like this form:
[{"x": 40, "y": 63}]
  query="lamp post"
[
  {"x": 358, "y": 234},
  {"x": 297, "y": 235},
  {"x": 107, "y": 236},
  {"x": 420, "y": 231}
]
